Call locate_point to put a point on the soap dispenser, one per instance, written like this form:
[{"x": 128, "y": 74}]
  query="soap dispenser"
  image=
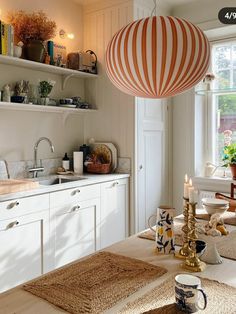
[{"x": 66, "y": 162}]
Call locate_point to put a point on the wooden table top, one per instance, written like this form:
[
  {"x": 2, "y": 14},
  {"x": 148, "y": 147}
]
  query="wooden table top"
[{"x": 18, "y": 301}]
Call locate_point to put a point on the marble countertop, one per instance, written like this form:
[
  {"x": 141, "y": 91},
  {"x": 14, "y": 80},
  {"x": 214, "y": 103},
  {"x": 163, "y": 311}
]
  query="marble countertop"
[{"x": 87, "y": 179}]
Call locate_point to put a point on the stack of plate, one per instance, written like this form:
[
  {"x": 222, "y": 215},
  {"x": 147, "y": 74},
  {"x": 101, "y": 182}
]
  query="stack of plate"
[{"x": 215, "y": 205}]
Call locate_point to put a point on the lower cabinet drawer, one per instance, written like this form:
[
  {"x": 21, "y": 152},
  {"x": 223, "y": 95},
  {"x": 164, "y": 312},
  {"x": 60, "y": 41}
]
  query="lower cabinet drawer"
[
  {"x": 69, "y": 196},
  {"x": 23, "y": 206}
]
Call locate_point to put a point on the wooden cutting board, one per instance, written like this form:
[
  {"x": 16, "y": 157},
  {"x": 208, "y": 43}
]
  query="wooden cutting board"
[{"x": 13, "y": 186}]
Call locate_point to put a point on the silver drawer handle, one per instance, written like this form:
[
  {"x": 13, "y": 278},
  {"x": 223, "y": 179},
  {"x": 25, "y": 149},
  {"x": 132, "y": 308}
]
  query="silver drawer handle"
[
  {"x": 115, "y": 183},
  {"x": 12, "y": 205},
  {"x": 75, "y": 208},
  {"x": 12, "y": 224},
  {"x": 76, "y": 192}
]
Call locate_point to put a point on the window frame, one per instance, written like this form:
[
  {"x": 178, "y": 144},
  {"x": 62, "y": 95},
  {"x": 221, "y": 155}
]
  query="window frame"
[{"x": 210, "y": 118}]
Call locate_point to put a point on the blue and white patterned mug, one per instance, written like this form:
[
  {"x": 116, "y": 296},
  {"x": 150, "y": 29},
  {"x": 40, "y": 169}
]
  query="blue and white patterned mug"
[{"x": 187, "y": 293}]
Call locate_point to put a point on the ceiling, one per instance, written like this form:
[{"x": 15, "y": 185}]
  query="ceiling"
[{"x": 170, "y": 2}]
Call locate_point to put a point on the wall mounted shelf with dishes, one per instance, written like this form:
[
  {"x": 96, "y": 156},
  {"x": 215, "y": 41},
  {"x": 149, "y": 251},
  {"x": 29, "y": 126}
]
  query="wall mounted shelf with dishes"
[
  {"x": 64, "y": 72},
  {"x": 37, "y": 108},
  {"x": 216, "y": 91}
]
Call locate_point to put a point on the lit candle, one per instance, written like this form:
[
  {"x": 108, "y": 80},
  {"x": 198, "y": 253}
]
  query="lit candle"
[
  {"x": 191, "y": 192},
  {"x": 186, "y": 186}
]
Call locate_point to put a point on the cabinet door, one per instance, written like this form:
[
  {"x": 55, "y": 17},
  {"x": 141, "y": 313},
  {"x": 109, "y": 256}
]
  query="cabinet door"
[
  {"x": 114, "y": 211},
  {"x": 24, "y": 253},
  {"x": 76, "y": 231}
]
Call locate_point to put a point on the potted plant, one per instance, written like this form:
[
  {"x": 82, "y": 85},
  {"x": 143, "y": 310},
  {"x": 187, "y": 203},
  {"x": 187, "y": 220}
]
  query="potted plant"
[
  {"x": 45, "y": 88},
  {"x": 229, "y": 158},
  {"x": 33, "y": 29}
]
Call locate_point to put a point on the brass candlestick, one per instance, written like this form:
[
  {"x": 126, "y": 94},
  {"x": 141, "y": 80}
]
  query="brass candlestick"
[
  {"x": 192, "y": 261},
  {"x": 185, "y": 250}
]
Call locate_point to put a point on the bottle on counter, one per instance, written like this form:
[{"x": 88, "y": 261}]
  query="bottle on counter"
[
  {"x": 86, "y": 151},
  {"x": 66, "y": 162}
]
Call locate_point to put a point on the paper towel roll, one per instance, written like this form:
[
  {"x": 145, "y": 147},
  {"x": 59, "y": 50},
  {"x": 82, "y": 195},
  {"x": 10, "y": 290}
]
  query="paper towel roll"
[{"x": 78, "y": 162}]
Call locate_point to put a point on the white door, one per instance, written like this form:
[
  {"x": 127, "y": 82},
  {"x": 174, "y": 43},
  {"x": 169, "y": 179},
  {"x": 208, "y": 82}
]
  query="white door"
[
  {"x": 114, "y": 211},
  {"x": 152, "y": 158},
  {"x": 24, "y": 243},
  {"x": 76, "y": 231}
]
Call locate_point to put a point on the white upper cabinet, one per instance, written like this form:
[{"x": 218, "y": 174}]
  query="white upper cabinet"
[{"x": 114, "y": 211}]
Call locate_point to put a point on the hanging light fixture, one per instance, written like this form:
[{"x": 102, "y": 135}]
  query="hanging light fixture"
[{"x": 157, "y": 57}]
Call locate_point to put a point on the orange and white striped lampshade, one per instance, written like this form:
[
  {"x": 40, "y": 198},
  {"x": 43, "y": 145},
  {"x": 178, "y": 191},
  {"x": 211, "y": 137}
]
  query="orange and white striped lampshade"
[{"x": 157, "y": 57}]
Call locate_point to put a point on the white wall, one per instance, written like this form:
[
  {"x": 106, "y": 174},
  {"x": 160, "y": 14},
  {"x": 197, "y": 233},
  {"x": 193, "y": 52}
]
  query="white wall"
[
  {"x": 67, "y": 14},
  {"x": 205, "y": 15},
  {"x": 202, "y": 11},
  {"x": 20, "y": 130},
  {"x": 114, "y": 121}
]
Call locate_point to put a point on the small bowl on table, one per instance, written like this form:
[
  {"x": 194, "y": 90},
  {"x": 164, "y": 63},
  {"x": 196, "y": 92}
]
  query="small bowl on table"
[
  {"x": 215, "y": 205},
  {"x": 200, "y": 247}
]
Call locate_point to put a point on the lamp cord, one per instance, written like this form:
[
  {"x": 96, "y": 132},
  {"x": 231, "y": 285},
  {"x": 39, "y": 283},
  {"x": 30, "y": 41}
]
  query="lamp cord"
[{"x": 155, "y": 8}]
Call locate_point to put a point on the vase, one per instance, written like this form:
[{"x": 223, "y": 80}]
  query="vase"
[
  {"x": 233, "y": 171},
  {"x": 44, "y": 101},
  {"x": 165, "y": 243},
  {"x": 17, "y": 51},
  {"x": 35, "y": 51}
]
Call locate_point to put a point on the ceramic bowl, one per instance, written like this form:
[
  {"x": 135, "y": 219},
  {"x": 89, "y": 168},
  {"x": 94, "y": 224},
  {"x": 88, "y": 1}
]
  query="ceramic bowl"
[
  {"x": 17, "y": 99},
  {"x": 215, "y": 210},
  {"x": 200, "y": 247},
  {"x": 215, "y": 205}
]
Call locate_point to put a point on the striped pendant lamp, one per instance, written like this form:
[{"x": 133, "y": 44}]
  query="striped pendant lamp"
[{"x": 157, "y": 57}]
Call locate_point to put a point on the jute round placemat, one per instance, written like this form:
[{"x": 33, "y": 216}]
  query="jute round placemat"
[
  {"x": 160, "y": 300},
  {"x": 94, "y": 284}
]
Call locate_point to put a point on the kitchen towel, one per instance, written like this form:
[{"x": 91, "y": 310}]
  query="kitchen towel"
[{"x": 78, "y": 162}]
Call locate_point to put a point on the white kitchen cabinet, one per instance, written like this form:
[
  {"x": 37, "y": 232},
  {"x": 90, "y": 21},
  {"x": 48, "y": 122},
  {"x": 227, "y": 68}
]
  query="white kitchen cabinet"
[
  {"x": 24, "y": 253},
  {"x": 75, "y": 230},
  {"x": 114, "y": 211}
]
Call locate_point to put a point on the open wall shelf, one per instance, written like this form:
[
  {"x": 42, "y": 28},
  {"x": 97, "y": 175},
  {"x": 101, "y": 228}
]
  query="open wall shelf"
[
  {"x": 65, "y": 73},
  {"x": 37, "y": 108}
]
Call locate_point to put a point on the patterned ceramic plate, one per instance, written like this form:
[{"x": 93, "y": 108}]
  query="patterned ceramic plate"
[
  {"x": 104, "y": 151},
  {"x": 113, "y": 150}
]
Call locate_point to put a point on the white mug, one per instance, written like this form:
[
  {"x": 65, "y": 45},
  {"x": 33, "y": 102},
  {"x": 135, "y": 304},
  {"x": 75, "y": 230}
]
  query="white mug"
[{"x": 187, "y": 293}]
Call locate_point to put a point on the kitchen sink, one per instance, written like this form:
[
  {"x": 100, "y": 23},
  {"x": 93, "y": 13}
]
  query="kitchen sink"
[{"x": 59, "y": 180}]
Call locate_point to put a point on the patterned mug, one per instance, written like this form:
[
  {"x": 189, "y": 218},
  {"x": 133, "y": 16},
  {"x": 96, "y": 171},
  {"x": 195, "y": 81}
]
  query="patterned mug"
[
  {"x": 187, "y": 293},
  {"x": 164, "y": 229}
]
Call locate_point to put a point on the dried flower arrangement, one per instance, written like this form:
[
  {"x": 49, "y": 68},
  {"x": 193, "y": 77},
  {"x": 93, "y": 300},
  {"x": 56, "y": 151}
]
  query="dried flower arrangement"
[{"x": 32, "y": 26}]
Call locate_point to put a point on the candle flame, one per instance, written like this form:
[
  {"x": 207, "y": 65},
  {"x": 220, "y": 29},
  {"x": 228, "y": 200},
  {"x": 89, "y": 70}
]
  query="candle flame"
[
  {"x": 186, "y": 178},
  {"x": 190, "y": 182}
]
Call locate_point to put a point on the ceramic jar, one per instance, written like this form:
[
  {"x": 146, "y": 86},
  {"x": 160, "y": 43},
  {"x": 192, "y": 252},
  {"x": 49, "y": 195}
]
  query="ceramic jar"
[
  {"x": 35, "y": 50},
  {"x": 164, "y": 229}
]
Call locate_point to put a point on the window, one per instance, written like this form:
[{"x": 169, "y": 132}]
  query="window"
[{"x": 222, "y": 100}]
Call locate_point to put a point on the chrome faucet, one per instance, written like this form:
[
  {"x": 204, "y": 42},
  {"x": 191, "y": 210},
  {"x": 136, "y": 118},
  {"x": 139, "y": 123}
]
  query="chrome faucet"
[{"x": 37, "y": 168}]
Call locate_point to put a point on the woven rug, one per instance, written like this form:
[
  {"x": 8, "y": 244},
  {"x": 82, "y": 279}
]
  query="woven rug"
[
  {"x": 95, "y": 283},
  {"x": 225, "y": 244},
  {"x": 221, "y": 299}
]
